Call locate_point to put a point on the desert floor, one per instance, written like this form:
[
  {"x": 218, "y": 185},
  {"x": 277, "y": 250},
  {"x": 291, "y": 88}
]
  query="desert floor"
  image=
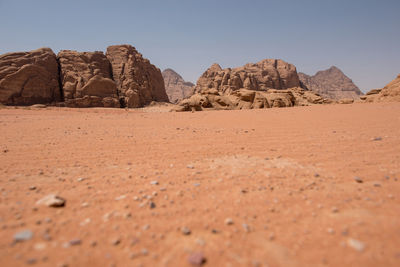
[{"x": 273, "y": 187}]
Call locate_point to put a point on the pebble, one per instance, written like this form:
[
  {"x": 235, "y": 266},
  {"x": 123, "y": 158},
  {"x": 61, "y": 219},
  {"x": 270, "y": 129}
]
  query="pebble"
[
  {"x": 196, "y": 259},
  {"x": 154, "y": 182},
  {"x": 377, "y": 138},
  {"x": 228, "y": 221},
  {"x": 81, "y": 179},
  {"x": 186, "y": 231},
  {"x": 335, "y": 210},
  {"x": 356, "y": 244},
  {"x": 52, "y": 201},
  {"x": 152, "y": 205},
  {"x": 32, "y": 187},
  {"x": 75, "y": 242},
  {"x": 190, "y": 166},
  {"x": 116, "y": 242},
  {"x": 120, "y": 197},
  {"x": 246, "y": 227},
  {"x": 23, "y": 236},
  {"x": 358, "y": 179}
]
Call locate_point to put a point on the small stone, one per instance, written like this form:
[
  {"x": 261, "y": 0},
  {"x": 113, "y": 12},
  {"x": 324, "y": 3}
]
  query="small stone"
[
  {"x": 228, "y": 221},
  {"x": 186, "y": 231},
  {"x": 358, "y": 179},
  {"x": 31, "y": 261},
  {"x": 190, "y": 166},
  {"x": 196, "y": 184},
  {"x": 75, "y": 242},
  {"x": 52, "y": 201},
  {"x": 81, "y": 179},
  {"x": 40, "y": 246},
  {"x": 196, "y": 258},
  {"x": 32, "y": 187},
  {"x": 120, "y": 197},
  {"x": 144, "y": 252},
  {"x": 116, "y": 242},
  {"x": 23, "y": 236},
  {"x": 335, "y": 210},
  {"x": 331, "y": 231},
  {"x": 152, "y": 205},
  {"x": 154, "y": 182},
  {"x": 246, "y": 227},
  {"x": 378, "y": 138},
  {"x": 355, "y": 244}
]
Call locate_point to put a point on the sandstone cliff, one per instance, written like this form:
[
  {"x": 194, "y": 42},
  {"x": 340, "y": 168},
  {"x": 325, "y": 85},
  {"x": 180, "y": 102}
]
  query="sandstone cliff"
[
  {"x": 86, "y": 79},
  {"x": 28, "y": 78},
  {"x": 266, "y": 84},
  {"x": 81, "y": 79},
  {"x": 331, "y": 83},
  {"x": 389, "y": 93},
  {"x": 138, "y": 81},
  {"x": 175, "y": 86}
]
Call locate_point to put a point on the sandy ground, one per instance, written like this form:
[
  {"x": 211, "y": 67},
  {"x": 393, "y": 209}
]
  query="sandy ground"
[{"x": 272, "y": 187}]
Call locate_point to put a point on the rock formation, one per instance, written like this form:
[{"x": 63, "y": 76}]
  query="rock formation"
[
  {"x": 86, "y": 79},
  {"x": 390, "y": 93},
  {"x": 268, "y": 83},
  {"x": 28, "y": 78},
  {"x": 138, "y": 81},
  {"x": 176, "y": 87},
  {"x": 266, "y": 74},
  {"x": 331, "y": 83},
  {"x": 81, "y": 79}
]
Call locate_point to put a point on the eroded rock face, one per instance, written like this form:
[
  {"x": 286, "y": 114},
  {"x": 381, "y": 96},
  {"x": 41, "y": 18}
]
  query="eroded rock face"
[
  {"x": 389, "y": 93},
  {"x": 331, "y": 83},
  {"x": 138, "y": 81},
  {"x": 86, "y": 79},
  {"x": 266, "y": 84},
  {"x": 266, "y": 74},
  {"x": 28, "y": 78},
  {"x": 176, "y": 87}
]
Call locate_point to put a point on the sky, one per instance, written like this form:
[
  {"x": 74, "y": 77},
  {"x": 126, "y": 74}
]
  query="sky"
[{"x": 361, "y": 37}]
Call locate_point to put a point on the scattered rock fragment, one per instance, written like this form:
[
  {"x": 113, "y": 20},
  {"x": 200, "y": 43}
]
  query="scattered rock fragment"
[
  {"x": 356, "y": 244},
  {"x": 196, "y": 259},
  {"x": 377, "y": 138},
  {"x": 75, "y": 242},
  {"x": 186, "y": 231},
  {"x": 23, "y": 236},
  {"x": 228, "y": 221},
  {"x": 52, "y": 201},
  {"x": 154, "y": 182},
  {"x": 358, "y": 179}
]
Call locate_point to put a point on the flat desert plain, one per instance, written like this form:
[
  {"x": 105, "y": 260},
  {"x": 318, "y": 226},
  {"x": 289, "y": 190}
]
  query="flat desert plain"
[{"x": 301, "y": 186}]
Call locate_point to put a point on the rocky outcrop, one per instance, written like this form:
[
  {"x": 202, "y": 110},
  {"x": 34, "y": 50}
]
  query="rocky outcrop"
[
  {"x": 389, "y": 93},
  {"x": 175, "y": 86},
  {"x": 249, "y": 99},
  {"x": 86, "y": 79},
  {"x": 138, "y": 81},
  {"x": 266, "y": 74},
  {"x": 28, "y": 78},
  {"x": 331, "y": 83},
  {"x": 266, "y": 84}
]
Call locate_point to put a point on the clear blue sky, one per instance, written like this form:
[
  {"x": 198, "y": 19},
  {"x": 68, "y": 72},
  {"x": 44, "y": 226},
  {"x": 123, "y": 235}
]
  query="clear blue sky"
[{"x": 361, "y": 37}]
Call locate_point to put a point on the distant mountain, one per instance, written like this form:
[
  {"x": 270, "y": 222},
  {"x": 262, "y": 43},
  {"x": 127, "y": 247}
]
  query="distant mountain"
[
  {"x": 175, "y": 86},
  {"x": 331, "y": 83}
]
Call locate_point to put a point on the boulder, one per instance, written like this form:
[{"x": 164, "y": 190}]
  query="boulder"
[
  {"x": 86, "y": 79},
  {"x": 175, "y": 86},
  {"x": 138, "y": 81},
  {"x": 28, "y": 78}
]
